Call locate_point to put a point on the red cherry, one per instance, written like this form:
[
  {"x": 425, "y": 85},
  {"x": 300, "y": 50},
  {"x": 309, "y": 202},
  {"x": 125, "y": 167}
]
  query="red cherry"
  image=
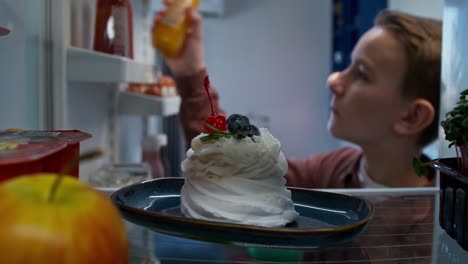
[
  {"x": 215, "y": 120},
  {"x": 218, "y": 122}
]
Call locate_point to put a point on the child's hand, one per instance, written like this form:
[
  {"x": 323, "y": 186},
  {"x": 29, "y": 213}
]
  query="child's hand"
[{"x": 191, "y": 60}]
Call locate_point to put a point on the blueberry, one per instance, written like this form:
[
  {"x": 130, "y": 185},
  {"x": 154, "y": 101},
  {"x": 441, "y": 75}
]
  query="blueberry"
[
  {"x": 238, "y": 123},
  {"x": 254, "y": 131},
  {"x": 239, "y": 135},
  {"x": 243, "y": 132}
]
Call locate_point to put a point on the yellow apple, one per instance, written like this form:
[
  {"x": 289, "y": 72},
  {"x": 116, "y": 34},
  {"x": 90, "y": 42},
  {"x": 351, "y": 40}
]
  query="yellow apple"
[{"x": 79, "y": 225}]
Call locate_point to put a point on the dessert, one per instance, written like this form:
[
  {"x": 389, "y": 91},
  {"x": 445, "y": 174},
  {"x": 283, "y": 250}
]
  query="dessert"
[{"x": 235, "y": 173}]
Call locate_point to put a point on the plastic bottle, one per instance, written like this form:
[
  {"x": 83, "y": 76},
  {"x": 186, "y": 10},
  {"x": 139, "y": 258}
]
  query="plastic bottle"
[
  {"x": 153, "y": 153},
  {"x": 82, "y": 23},
  {"x": 169, "y": 33},
  {"x": 114, "y": 27}
]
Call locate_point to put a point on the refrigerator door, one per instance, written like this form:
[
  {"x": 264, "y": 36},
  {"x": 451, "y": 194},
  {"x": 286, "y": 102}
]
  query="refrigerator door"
[{"x": 22, "y": 64}]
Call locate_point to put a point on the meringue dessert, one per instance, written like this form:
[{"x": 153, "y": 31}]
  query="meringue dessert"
[
  {"x": 234, "y": 173},
  {"x": 237, "y": 176}
]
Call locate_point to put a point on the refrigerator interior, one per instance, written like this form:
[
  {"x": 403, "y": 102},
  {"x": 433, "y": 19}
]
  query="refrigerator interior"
[{"x": 53, "y": 85}]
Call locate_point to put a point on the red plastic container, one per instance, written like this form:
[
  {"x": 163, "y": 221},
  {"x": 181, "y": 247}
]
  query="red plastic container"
[{"x": 26, "y": 152}]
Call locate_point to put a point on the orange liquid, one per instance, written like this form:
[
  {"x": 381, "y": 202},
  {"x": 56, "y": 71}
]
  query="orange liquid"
[{"x": 169, "y": 33}]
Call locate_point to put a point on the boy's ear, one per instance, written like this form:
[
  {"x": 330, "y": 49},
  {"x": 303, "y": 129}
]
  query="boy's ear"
[{"x": 419, "y": 115}]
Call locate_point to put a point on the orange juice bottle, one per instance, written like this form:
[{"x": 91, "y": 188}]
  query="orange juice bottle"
[{"x": 169, "y": 33}]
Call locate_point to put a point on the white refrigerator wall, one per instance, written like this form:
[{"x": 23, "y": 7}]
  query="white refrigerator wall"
[
  {"x": 426, "y": 8},
  {"x": 454, "y": 62},
  {"x": 20, "y": 58},
  {"x": 271, "y": 59}
]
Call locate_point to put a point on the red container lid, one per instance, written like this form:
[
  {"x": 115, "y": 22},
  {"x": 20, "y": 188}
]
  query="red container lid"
[{"x": 18, "y": 147}]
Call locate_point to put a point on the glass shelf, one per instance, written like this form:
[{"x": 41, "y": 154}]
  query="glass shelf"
[
  {"x": 90, "y": 66},
  {"x": 130, "y": 103}
]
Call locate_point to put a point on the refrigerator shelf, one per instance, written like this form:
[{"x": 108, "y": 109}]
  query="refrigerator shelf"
[
  {"x": 85, "y": 65},
  {"x": 140, "y": 104}
]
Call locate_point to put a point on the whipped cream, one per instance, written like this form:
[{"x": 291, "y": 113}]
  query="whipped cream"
[{"x": 237, "y": 181}]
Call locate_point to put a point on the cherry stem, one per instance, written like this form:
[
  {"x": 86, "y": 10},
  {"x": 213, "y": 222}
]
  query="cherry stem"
[
  {"x": 69, "y": 167},
  {"x": 206, "y": 84}
]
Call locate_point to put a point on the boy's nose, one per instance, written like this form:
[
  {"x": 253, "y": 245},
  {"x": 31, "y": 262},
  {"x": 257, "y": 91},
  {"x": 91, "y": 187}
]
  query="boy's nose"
[{"x": 335, "y": 84}]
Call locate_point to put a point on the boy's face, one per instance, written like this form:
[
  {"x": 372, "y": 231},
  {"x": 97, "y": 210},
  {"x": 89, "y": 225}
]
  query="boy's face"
[{"x": 366, "y": 96}]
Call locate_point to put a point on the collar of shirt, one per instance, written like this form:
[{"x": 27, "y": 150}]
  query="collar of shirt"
[{"x": 364, "y": 178}]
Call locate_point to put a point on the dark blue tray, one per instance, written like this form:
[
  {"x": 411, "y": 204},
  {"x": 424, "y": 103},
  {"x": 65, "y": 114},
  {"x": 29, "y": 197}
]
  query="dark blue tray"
[{"x": 325, "y": 218}]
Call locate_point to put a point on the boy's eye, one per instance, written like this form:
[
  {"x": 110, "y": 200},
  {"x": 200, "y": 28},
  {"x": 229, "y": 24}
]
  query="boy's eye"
[
  {"x": 362, "y": 76},
  {"x": 360, "y": 73}
]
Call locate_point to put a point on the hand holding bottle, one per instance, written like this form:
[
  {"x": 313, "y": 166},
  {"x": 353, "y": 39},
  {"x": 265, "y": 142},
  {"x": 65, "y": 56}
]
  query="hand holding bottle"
[{"x": 190, "y": 59}]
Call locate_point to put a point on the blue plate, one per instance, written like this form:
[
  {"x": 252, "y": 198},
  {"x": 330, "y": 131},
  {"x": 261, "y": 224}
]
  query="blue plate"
[{"x": 325, "y": 218}]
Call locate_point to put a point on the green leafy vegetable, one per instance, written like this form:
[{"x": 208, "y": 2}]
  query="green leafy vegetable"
[
  {"x": 420, "y": 167},
  {"x": 455, "y": 128},
  {"x": 455, "y": 124}
]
